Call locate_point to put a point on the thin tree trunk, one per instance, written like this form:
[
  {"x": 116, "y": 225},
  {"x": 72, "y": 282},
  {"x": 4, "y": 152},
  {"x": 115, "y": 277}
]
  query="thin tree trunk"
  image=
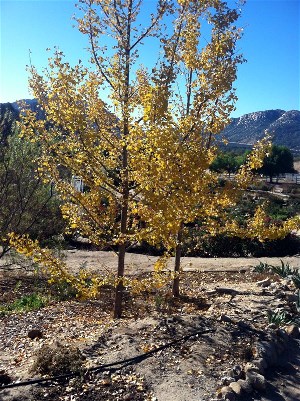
[
  {"x": 125, "y": 179},
  {"x": 120, "y": 286},
  {"x": 175, "y": 287},
  {"x": 122, "y": 244}
]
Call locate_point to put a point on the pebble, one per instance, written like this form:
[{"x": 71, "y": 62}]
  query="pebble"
[
  {"x": 237, "y": 371},
  {"x": 226, "y": 380},
  {"x": 293, "y": 331},
  {"x": 4, "y": 378},
  {"x": 264, "y": 283},
  {"x": 257, "y": 381},
  {"x": 236, "y": 387},
  {"x": 225, "y": 318},
  {"x": 245, "y": 386},
  {"x": 260, "y": 364},
  {"x": 250, "y": 367},
  {"x": 228, "y": 393},
  {"x": 34, "y": 333}
]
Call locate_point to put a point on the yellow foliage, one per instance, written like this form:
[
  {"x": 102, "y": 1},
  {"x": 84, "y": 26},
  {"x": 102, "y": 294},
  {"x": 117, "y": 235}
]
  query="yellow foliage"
[{"x": 141, "y": 139}]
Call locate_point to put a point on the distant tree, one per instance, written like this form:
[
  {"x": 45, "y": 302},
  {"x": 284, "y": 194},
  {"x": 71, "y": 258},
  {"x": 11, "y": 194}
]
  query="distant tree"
[
  {"x": 228, "y": 162},
  {"x": 26, "y": 204},
  {"x": 8, "y": 121},
  {"x": 279, "y": 161}
]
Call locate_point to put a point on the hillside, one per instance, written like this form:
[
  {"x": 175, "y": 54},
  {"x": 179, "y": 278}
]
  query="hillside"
[
  {"x": 8, "y": 117},
  {"x": 284, "y": 126}
]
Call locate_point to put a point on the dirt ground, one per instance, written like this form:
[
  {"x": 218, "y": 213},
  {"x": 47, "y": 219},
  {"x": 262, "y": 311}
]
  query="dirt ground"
[
  {"x": 215, "y": 331},
  {"x": 139, "y": 263}
]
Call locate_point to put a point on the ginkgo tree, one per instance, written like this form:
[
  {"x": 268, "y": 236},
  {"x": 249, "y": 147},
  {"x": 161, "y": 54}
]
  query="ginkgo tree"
[{"x": 140, "y": 136}]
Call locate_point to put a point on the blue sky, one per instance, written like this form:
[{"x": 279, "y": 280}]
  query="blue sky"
[{"x": 271, "y": 44}]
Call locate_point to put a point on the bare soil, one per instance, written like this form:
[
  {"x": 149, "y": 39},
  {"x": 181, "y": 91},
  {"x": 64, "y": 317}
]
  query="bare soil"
[{"x": 221, "y": 315}]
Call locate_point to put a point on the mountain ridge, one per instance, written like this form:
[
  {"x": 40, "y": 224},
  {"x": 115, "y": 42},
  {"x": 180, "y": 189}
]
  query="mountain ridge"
[{"x": 283, "y": 126}]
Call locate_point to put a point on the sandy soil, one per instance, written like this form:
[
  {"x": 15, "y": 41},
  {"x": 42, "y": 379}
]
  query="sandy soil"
[{"x": 138, "y": 263}]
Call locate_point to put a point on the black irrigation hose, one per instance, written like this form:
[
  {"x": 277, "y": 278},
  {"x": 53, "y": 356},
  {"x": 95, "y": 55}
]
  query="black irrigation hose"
[{"x": 101, "y": 368}]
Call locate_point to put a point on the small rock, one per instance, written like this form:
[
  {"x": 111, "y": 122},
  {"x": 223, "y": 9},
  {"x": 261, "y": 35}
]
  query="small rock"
[
  {"x": 291, "y": 297},
  {"x": 250, "y": 367},
  {"x": 257, "y": 381},
  {"x": 210, "y": 292},
  {"x": 245, "y": 386},
  {"x": 228, "y": 393},
  {"x": 225, "y": 318},
  {"x": 237, "y": 371},
  {"x": 280, "y": 347},
  {"x": 236, "y": 387},
  {"x": 226, "y": 380},
  {"x": 282, "y": 334},
  {"x": 243, "y": 325},
  {"x": 35, "y": 333},
  {"x": 293, "y": 331},
  {"x": 4, "y": 378},
  {"x": 269, "y": 352},
  {"x": 260, "y": 364},
  {"x": 264, "y": 283}
]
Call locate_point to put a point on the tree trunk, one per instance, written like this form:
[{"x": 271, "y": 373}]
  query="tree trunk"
[
  {"x": 125, "y": 179},
  {"x": 120, "y": 286},
  {"x": 175, "y": 287}
]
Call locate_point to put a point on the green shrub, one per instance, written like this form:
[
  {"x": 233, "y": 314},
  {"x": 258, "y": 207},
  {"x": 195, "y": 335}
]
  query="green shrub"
[{"x": 25, "y": 303}]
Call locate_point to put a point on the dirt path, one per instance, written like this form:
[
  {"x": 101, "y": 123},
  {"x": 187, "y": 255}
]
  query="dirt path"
[{"x": 138, "y": 263}]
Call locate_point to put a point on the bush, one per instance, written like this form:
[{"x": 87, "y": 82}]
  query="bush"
[
  {"x": 25, "y": 303},
  {"x": 57, "y": 359},
  {"x": 27, "y": 205},
  {"x": 224, "y": 246}
]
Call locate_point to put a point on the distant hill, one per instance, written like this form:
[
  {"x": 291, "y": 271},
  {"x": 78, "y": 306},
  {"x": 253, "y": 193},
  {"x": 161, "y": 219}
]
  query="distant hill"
[
  {"x": 8, "y": 117},
  {"x": 284, "y": 126},
  {"x": 10, "y": 114},
  {"x": 244, "y": 131}
]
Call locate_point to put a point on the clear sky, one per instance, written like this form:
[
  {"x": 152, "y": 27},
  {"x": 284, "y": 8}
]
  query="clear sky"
[{"x": 271, "y": 44}]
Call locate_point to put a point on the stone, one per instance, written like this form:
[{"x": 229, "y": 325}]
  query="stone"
[
  {"x": 260, "y": 364},
  {"x": 291, "y": 297},
  {"x": 226, "y": 380},
  {"x": 236, "y": 387},
  {"x": 228, "y": 394},
  {"x": 264, "y": 283},
  {"x": 225, "y": 318},
  {"x": 282, "y": 334},
  {"x": 4, "y": 378},
  {"x": 250, "y": 367},
  {"x": 35, "y": 333},
  {"x": 243, "y": 325},
  {"x": 245, "y": 386},
  {"x": 272, "y": 326},
  {"x": 293, "y": 331},
  {"x": 281, "y": 347},
  {"x": 257, "y": 381},
  {"x": 268, "y": 352},
  {"x": 237, "y": 371},
  {"x": 211, "y": 292}
]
